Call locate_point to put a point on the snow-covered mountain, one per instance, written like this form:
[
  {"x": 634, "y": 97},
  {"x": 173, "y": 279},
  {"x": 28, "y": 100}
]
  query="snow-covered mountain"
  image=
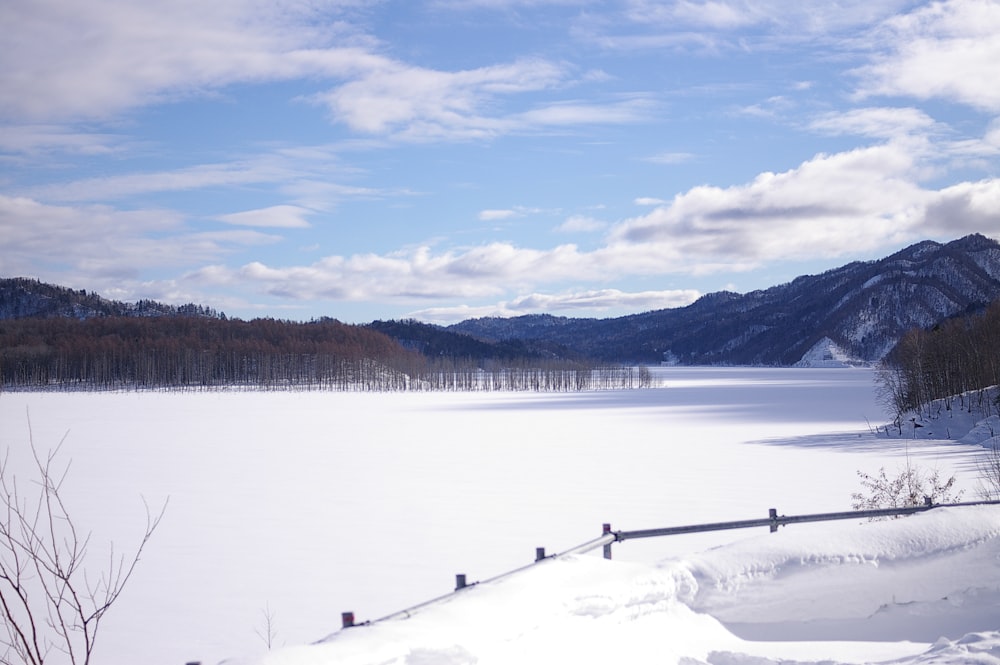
[{"x": 863, "y": 308}]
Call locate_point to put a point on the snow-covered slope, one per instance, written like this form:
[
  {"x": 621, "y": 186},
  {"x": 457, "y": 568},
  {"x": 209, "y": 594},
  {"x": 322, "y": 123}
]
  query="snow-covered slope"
[
  {"x": 305, "y": 505},
  {"x": 917, "y": 590},
  {"x": 827, "y": 353},
  {"x": 923, "y": 589}
]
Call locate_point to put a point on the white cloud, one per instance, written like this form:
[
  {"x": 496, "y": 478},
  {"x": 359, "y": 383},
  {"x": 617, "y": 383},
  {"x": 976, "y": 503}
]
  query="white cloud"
[
  {"x": 497, "y": 214},
  {"x": 416, "y": 274},
  {"x": 503, "y": 4},
  {"x": 878, "y": 122},
  {"x": 567, "y": 114},
  {"x": 828, "y": 206},
  {"x": 709, "y": 13},
  {"x": 968, "y": 207},
  {"x": 670, "y": 158},
  {"x": 393, "y": 96},
  {"x": 580, "y": 224},
  {"x": 116, "y": 187},
  {"x": 590, "y": 302},
  {"x": 809, "y": 16},
  {"x": 103, "y": 243},
  {"x": 772, "y": 107},
  {"x": 832, "y": 205},
  {"x": 306, "y": 176},
  {"x": 280, "y": 216},
  {"x": 417, "y": 104},
  {"x": 713, "y": 26},
  {"x": 602, "y": 299},
  {"x": 494, "y": 215},
  {"x": 947, "y": 50},
  {"x": 95, "y": 58},
  {"x": 36, "y": 139}
]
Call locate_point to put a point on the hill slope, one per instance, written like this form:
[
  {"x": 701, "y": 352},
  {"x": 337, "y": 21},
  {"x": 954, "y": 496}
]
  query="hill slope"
[
  {"x": 862, "y": 307},
  {"x": 23, "y": 298}
]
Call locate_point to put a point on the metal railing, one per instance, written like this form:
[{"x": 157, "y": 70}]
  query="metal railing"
[
  {"x": 773, "y": 521},
  {"x": 609, "y": 537}
]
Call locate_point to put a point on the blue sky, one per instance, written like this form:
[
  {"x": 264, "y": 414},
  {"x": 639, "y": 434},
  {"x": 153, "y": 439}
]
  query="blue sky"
[{"x": 448, "y": 159}]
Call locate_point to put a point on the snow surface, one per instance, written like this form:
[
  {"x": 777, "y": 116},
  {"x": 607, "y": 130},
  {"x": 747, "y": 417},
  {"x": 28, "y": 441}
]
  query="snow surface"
[
  {"x": 920, "y": 578},
  {"x": 827, "y": 353},
  {"x": 310, "y": 504}
]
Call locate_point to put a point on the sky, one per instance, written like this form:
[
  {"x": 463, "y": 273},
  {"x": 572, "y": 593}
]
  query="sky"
[{"x": 450, "y": 159}]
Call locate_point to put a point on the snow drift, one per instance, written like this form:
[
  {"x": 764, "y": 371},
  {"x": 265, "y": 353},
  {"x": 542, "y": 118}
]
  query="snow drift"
[{"x": 917, "y": 590}]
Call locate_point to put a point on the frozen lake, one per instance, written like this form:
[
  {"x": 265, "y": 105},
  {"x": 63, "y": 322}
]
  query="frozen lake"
[{"x": 315, "y": 503}]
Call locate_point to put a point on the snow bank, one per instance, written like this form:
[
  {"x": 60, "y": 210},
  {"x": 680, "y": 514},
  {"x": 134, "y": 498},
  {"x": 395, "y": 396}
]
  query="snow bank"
[{"x": 935, "y": 575}]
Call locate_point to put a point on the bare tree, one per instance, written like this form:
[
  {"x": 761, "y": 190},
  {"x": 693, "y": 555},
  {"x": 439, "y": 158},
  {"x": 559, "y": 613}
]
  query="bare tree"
[
  {"x": 268, "y": 631},
  {"x": 989, "y": 473},
  {"x": 912, "y": 487},
  {"x": 52, "y": 603}
]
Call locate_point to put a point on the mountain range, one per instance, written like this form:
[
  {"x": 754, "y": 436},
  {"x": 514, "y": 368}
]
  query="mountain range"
[
  {"x": 856, "y": 312},
  {"x": 861, "y": 309}
]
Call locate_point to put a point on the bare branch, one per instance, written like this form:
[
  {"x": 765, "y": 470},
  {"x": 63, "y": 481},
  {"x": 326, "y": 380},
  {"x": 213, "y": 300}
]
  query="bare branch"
[{"x": 48, "y": 602}]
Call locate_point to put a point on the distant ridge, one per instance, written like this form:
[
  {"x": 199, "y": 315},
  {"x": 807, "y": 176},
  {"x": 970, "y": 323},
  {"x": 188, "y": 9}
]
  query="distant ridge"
[
  {"x": 860, "y": 310},
  {"x": 863, "y": 308},
  {"x": 22, "y": 298}
]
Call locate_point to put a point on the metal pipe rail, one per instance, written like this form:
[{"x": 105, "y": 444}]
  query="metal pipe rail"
[{"x": 773, "y": 521}]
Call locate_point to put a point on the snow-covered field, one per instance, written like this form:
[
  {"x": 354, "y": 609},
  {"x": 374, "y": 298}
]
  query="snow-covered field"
[{"x": 306, "y": 505}]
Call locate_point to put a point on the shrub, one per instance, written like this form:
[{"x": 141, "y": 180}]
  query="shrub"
[{"x": 912, "y": 487}]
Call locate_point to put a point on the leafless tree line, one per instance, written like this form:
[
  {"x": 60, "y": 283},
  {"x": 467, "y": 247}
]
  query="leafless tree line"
[
  {"x": 200, "y": 353},
  {"x": 956, "y": 362},
  {"x": 536, "y": 376}
]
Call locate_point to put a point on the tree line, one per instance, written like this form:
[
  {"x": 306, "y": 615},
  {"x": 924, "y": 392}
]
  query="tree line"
[
  {"x": 195, "y": 352},
  {"x": 955, "y": 361}
]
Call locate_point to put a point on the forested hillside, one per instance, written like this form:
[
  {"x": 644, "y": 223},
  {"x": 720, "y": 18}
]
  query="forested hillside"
[
  {"x": 21, "y": 298},
  {"x": 864, "y": 307},
  {"x": 52, "y": 335},
  {"x": 957, "y": 361},
  {"x": 185, "y": 352}
]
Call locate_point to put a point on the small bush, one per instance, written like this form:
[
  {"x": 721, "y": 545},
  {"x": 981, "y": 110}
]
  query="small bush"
[{"x": 912, "y": 487}]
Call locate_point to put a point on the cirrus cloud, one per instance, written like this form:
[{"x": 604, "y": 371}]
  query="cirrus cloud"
[{"x": 280, "y": 216}]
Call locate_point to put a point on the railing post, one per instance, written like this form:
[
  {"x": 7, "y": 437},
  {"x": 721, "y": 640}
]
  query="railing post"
[{"x": 607, "y": 548}]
